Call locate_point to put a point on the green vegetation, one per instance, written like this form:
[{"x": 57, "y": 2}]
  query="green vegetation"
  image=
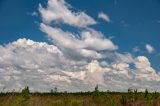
[
  {"x": 123, "y": 100},
  {"x": 25, "y": 93},
  {"x": 95, "y": 98}
]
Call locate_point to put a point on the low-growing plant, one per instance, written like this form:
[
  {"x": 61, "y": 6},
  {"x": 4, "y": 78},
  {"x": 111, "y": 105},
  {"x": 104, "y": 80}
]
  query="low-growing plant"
[{"x": 123, "y": 100}]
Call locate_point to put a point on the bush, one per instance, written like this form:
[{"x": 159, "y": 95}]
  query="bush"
[
  {"x": 155, "y": 96},
  {"x": 25, "y": 93},
  {"x": 95, "y": 93}
]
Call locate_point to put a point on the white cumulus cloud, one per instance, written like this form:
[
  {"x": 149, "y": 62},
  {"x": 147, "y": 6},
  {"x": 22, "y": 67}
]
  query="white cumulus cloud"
[
  {"x": 42, "y": 66},
  {"x": 86, "y": 46},
  {"x": 60, "y": 11}
]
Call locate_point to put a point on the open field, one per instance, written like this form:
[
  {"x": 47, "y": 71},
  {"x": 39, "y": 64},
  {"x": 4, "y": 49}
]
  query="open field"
[{"x": 80, "y": 99}]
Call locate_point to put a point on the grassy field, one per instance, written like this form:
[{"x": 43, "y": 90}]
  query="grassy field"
[{"x": 95, "y": 98}]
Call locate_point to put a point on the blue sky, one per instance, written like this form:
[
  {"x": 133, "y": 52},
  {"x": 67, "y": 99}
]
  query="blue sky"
[
  {"x": 133, "y": 25},
  {"x": 133, "y": 22}
]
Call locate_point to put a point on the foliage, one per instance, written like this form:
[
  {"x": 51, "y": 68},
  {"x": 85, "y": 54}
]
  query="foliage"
[
  {"x": 155, "y": 96},
  {"x": 95, "y": 98},
  {"x": 25, "y": 93},
  {"x": 55, "y": 90},
  {"x": 51, "y": 91},
  {"x": 95, "y": 93},
  {"x": 129, "y": 90},
  {"x": 146, "y": 93}
]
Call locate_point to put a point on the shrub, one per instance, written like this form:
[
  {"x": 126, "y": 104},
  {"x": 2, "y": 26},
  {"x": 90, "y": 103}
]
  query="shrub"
[
  {"x": 95, "y": 93},
  {"x": 155, "y": 96},
  {"x": 25, "y": 93}
]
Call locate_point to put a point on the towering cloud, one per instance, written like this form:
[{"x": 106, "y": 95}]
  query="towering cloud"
[{"x": 42, "y": 66}]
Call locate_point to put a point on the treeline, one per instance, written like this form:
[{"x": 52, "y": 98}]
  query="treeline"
[{"x": 96, "y": 96}]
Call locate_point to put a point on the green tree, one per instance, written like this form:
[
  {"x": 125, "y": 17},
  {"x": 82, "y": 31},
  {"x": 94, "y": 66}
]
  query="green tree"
[
  {"x": 96, "y": 88},
  {"x": 96, "y": 94},
  {"x": 55, "y": 90},
  {"x": 146, "y": 93},
  {"x": 51, "y": 90},
  {"x": 129, "y": 90},
  {"x": 155, "y": 96},
  {"x": 26, "y": 93},
  {"x": 96, "y": 91}
]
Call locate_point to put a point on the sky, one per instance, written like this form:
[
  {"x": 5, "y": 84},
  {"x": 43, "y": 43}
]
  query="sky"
[{"x": 47, "y": 43}]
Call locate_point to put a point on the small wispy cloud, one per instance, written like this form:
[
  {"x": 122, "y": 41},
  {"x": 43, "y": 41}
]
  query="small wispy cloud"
[
  {"x": 34, "y": 13},
  {"x": 150, "y": 48},
  {"x": 104, "y": 16},
  {"x": 136, "y": 49},
  {"x": 124, "y": 23},
  {"x": 115, "y": 2},
  {"x": 158, "y": 21}
]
